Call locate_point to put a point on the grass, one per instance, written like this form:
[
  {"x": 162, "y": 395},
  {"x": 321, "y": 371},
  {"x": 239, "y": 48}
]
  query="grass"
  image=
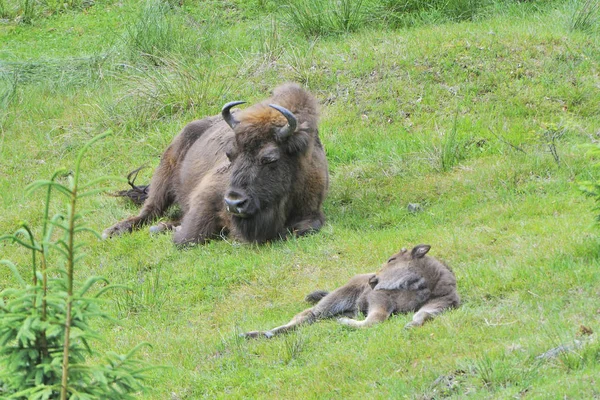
[
  {"x": 585, "y": 15},
  {"x": 480, "y": 120},
  {"x": 326, "y": 17}
]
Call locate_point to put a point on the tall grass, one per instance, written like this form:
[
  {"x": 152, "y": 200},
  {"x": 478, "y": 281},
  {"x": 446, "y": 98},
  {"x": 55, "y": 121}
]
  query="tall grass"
[
  {"x": 3, "y": 9},
  {"x": 151, "y": 33},
  {"x": 585, "y": 15},
  {"x": 270, "y": 41},
  {"x": 327, "y": 17},
  {"x": 28, "y": 10},
  {"x": 175, "y": 87},
  {"x": 413, "y": 12},
  {"x": 450, "y": 152},
  {"x": 8, "y": 88},
  {"x": 57, "y": 6}
]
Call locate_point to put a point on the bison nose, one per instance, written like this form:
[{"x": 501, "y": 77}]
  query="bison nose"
[{"x": 236, "y": 204}]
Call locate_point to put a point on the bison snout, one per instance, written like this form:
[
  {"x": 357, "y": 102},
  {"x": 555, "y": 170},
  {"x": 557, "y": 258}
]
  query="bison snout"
[{"x": 237, "y": 204}]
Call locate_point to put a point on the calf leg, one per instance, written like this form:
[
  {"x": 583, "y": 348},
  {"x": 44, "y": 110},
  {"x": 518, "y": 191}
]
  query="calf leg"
[
  {"x": 340, "y": 301},
  {"x": 375, "y": 316},
  {"x": 305, "y": 317},
  {"x": 316, "y": 296},
  {"x": 429, "y": 311}
]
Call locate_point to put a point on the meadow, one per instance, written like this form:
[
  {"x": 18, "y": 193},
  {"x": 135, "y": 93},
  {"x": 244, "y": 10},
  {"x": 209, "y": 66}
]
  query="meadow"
[{"x": 480, "y": 112}]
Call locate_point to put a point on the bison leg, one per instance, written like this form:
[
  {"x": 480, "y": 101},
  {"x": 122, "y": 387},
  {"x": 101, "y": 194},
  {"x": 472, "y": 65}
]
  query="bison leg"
[
  {"x": 160, "y": 198},
  {"x": 429, "y": 311},
  {"x": 164, "y": 226},
  {"x": 197, "y": 226},
  {"x": 308, "y": 225}
]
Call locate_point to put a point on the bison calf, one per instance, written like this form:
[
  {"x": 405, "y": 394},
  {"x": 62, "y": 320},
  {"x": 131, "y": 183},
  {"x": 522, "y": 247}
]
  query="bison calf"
[
  {"x": 409, "y": 281},
  {"x": 258, "y": 173}
]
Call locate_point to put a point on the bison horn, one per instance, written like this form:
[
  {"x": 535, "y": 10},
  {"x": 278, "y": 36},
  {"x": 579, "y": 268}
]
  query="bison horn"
[
  {"x": 285, "y": 131},
  {"x": 225, "y": 112}
]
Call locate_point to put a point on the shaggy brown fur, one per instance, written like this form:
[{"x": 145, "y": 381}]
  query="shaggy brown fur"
[
  {"x": 242, "y": 175},
  {"x": 409, "y": 281}
]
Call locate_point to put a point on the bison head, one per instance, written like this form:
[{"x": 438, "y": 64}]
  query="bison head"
[{"x": 264, "y": 163}]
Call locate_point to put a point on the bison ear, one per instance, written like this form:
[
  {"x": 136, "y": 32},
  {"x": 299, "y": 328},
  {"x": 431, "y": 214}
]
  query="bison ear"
[{"x": 420, "y": 251}]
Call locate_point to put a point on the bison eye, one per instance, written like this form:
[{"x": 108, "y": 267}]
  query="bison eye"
[
  {"x": 392, "y": 259},
  {"x": 268, "y": 159},
  {"x": 229, "y": 154}
]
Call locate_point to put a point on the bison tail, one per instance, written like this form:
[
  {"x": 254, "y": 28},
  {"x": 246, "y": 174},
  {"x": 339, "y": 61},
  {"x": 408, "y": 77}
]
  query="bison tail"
[
  {"x": 137, "y": 194},
  {"x": 315, "y": 296}
]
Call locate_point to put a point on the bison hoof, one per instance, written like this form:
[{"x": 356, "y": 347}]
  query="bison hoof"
[
  {"x": 160, "y": 227},
  {"x": 164, "y": 226},
  {"x": 117, "y": 229}
]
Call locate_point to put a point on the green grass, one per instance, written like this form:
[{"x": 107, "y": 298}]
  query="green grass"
[{"x": 481, "y": 119}]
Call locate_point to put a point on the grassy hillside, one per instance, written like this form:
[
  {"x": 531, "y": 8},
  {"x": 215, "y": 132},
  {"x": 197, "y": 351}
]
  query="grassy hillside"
[{"x": 480, "y": 113}]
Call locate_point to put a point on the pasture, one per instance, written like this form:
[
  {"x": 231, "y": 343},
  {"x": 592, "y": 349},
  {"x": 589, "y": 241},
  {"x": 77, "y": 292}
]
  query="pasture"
[{"x": 481, "y": 114}]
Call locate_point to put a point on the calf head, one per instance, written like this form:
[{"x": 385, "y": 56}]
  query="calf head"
[
  {"x": 396, "y": 274},
  {"x": 264, "y": 164}
]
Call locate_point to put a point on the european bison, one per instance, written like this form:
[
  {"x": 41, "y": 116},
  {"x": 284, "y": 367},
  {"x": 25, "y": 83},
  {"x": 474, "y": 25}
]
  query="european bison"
[
  {"x": 409, "y": 281},
  {"x": 258, "y": 173}
]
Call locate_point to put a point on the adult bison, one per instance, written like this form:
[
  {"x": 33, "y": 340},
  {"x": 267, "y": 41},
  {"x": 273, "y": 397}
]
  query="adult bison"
[{"x": 258, "y": 173}]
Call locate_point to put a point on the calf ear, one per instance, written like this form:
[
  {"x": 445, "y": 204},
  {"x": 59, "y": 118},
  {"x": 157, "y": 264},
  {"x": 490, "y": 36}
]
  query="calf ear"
[
  {"x": 420, "y": 251},
  {"x": 373, "y": 281}
]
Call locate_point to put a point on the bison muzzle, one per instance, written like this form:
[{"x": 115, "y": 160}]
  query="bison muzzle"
[{"x": 257, "y": 174}]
